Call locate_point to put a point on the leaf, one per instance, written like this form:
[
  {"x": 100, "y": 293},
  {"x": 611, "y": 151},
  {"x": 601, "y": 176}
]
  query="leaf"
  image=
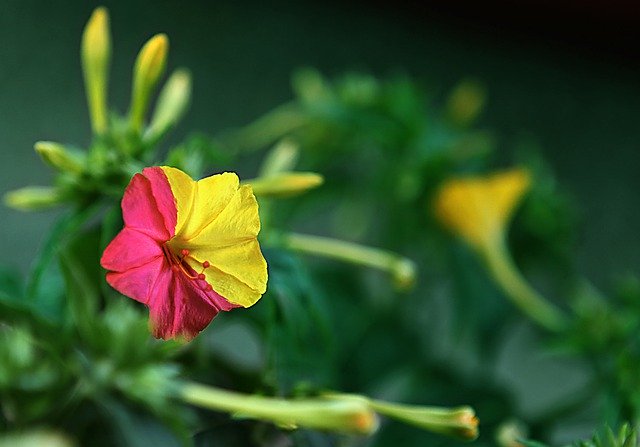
[
  {"x": 45, "y": 287},
  {"x": 81, "y": 292}
]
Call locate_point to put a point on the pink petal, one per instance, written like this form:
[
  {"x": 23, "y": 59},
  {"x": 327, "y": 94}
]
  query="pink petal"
[
  {"x": 138, "y": 282},
  {"x": 165, "y": 200},
  {"x": 130, "y": 249},
  {"x": 140, "y": 210},
  {"x": 179, "y": 309}
]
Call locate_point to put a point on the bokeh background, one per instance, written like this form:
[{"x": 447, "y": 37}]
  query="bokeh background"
[{"x": 563, "y": 77}]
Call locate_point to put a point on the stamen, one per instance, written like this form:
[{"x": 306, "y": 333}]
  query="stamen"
[{"x": 178, "y": 264}]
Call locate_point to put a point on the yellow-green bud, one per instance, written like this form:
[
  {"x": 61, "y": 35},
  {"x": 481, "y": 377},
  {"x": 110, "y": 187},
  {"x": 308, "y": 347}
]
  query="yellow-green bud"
[
  {"x": 283, "y": 157},
  {"x": 319, "y": 414},
  {"x": 285, "y": 184},
  {"x": 33, "y": 198},
  {"x": 96, "y": 54},
  {"x": 404, "y": 274},
  {"x": 40, "y": 437},
  {"x": 460, "y": 422},
  {"x": 172, "y": 104},
  {"x": 149, "y": 66},
  {"x": 59, "y": 157}
]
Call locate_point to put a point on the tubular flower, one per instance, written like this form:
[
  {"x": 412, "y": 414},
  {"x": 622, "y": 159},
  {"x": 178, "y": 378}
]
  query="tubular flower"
[
  {"x": 188, "y": 249},
  {"x": 479, "y": 208}
]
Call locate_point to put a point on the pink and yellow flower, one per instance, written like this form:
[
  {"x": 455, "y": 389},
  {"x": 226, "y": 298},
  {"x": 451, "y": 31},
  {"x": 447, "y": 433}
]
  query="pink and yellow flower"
[{"x": 188, "y": 249}]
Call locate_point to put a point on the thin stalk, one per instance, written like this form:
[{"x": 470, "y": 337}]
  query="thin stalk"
[
  {"x": 402, "y": 269},
  {"x": 516, "y": 287}
]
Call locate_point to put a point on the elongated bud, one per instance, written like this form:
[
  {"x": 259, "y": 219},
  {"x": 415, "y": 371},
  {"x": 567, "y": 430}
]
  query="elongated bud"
[
  {"x": 59, "y": 157},
  {"x": 320, "y": 414},
  {"x": 33, "y": 198},
  {"x": 460, "y": 422},
  {"x": 282, "y": 158},
  {"x": 172, "y": 104},
  {"x": 39, "y": 437},
  {"x": 96, "y": 54},
  {"x": 149, "y": 66},
  {"x": 285, "y": 184}
]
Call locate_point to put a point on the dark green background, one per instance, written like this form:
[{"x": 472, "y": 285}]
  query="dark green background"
[{"x": 580, "y": 106}]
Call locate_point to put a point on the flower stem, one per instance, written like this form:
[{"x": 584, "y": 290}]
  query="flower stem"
[
  {"x": 402, "y": 269},
  {"x": 321, "y": 414},
  {"x": 517, "y": 288}
]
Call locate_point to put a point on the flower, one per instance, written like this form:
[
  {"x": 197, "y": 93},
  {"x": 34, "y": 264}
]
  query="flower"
[
  {"x": 187, "y": 250},
  {"x": 479, "y": 208}
]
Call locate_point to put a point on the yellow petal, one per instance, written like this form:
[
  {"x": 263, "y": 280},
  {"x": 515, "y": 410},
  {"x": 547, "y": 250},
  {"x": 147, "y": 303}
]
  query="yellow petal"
[
  {"x": 506, "y": 189},
  {"x": 237, "y": 222},
  {"x": 479, "y": 208},
  {"x": 230, "y": 287},
  {"x": 183, "y": 189},
  {"x": 213, "y": 195},
  {"x": 244, "y": 261}
]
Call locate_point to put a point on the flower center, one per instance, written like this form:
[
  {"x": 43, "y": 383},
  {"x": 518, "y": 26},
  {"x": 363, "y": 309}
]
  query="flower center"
[{"x": 179, "y": 265}]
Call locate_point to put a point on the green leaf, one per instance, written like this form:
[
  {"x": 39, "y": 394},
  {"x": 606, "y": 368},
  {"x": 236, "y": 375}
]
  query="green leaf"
[{"x": 45, "y": 287}]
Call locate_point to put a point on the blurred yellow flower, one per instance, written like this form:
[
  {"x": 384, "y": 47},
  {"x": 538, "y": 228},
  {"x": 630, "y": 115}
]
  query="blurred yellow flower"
[{"x": 479, "y": 208}]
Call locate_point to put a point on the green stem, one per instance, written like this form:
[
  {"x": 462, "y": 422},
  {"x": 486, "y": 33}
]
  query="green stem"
[
  {"x": 507, "y": 275},
  {"x": 402, "y": 269},
  {"x": 320, "y": 414}
]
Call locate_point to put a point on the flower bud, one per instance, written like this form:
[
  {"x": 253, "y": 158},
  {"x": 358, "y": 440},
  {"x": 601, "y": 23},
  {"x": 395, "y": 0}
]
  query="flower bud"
[
  {"x": 149, "y": 66},
  {"x": 404, "y": 274},
  {"x": 458, "y": 422},
  {"x": 57, "y": 156},
  {"x": 172, "y": 104},
  {"x": 285, "y": 184},
  {"x": 95, "y": 54},
  {"x": 282, "y": 158},
  {"x": 33, "y": 198}
]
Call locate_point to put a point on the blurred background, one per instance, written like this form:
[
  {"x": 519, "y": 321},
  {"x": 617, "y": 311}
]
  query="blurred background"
[{"x": 562, "y": 75}]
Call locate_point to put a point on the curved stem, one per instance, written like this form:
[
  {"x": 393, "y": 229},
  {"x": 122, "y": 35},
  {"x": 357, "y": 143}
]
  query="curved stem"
[{"x": 530, "y": 302}]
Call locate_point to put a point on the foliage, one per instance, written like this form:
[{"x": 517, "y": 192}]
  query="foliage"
[{"x": 77, "y": 358}]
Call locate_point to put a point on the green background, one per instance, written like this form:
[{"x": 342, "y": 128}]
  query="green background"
[{"x": 581, "y": 108}]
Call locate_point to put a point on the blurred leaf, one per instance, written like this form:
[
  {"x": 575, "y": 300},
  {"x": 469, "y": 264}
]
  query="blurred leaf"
[{"x": 45, "y": 287}]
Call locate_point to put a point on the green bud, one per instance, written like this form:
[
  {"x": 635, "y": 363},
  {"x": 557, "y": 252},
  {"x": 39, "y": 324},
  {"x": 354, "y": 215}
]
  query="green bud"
[
  {"x": 460, "y": 422},
  {"x": 172, "y": 104},
  {"x": 39, "y": 437},
  {"x": 33, "y": 198},
  {"x": 404, "y": 274},
  {"x": 59, "y": 157},
  {"x": 282, "y": 158},
  {"x": 285, "y": 184},
  {"x": 96, "y": 54},
  {"x": 320, "y": 414},
  {"x": 149, "y": 66}
]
